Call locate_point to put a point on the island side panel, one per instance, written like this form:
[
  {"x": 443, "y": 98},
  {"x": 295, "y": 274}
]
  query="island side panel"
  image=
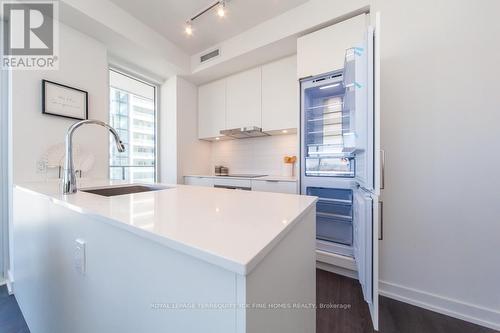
[
  {"x": 129, "y": 280},
  {"x": 287, "y": 275}
]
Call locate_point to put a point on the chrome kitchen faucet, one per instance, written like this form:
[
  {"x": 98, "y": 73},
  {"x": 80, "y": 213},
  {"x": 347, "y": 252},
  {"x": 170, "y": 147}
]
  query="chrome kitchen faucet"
[{"x": 69, "y": 178}]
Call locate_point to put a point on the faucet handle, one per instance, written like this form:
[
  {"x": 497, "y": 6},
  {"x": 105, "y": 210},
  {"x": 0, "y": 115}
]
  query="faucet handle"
[{"x": 120, "y": 146}]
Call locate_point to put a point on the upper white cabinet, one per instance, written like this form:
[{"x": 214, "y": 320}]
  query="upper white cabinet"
[
  {"x": 323, "y": 51},
  {"x": 266, "y": 97},
  {"x": 280, "y": 104},
  {"x": 211, "y": 109},
  {"x": 243, "y": 99}
]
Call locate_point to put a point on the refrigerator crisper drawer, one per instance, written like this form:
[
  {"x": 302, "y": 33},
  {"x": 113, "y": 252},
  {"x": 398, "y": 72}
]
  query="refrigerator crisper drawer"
[
  {"x": 333, "y": 230},
  {"x": 329, "y": 166}
]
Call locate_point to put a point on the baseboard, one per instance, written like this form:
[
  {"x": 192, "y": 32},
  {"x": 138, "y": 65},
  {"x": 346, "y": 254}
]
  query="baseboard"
[
  {"x": 465, "y": 311},
  {"x": 10, "y": 282}
]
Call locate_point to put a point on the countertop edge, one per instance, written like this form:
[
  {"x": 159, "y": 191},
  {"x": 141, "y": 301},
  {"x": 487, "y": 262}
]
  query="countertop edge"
[
  {"x": 263, "y": 178},
  {"x": 190, "y": 250},
  {"x": 273, "y": 243},
  {"x": 215, "y": 259}
]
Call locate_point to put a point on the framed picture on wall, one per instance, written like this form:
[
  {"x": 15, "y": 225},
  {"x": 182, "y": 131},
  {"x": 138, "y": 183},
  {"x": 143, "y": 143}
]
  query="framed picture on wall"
[{"x": 64, "y": 101}]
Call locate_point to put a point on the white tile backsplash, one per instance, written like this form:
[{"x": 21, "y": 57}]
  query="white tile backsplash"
[{"x": 256, "y": 155}]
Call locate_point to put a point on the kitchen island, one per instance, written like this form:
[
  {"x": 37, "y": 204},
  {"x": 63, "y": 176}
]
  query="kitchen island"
[{"x": 182, "y": 259}]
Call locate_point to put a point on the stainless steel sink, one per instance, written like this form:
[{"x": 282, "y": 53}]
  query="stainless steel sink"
[{"x": 124, "y": 189}]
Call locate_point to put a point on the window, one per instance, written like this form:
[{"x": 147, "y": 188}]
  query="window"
[{"x": 133, "y": 115}]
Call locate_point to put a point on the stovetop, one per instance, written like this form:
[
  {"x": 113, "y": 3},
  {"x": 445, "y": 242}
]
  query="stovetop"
[{"x": 242, "y": 175}]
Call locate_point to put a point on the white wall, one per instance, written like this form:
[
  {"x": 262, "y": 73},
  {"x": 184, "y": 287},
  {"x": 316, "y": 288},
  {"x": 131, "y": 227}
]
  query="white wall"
[
  {"x": 4, "y": 168},
  {"x": 256, "y": 155},
  {"x": 440, "y": 129},
  {"x": 181, "y": 151},
  {"x": 193, "y": 154},
  {"x": 83, "y": 65},
  {"x": 273, "y": 39},
  {"x": 130, "y": 41}
]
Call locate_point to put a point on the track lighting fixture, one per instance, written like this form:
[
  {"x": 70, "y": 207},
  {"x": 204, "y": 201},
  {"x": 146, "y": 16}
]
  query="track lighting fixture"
[{"x": 221, "y": 12}]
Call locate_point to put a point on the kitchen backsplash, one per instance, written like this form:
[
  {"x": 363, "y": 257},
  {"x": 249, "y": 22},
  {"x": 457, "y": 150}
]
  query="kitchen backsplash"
[{"x": 256, "y": 155}]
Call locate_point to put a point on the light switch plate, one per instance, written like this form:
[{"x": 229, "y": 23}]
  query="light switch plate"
[{"x": 80, "y": 256}]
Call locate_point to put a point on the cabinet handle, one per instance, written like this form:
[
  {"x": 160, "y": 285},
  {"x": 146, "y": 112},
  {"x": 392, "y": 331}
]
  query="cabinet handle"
[
  {"x": 272, "y": 181},
  {"x": 381, "y": 209},
  {"x": 382, "y": 160}
]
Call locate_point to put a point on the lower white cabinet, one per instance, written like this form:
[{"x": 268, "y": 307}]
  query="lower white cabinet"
[
  {"x": 199, "y": 181},
  {"x": 274, "y": 186},
  {"x": 233, "y": 182},
  {"x": 278, "y": 186}
]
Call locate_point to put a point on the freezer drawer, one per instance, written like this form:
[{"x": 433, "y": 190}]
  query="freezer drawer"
[
  {"x": 338, "y": 211},
  {"x": 333, "y": 230},
  {"x": 331, "y": 194}
]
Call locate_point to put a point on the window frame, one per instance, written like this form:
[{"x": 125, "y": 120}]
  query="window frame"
[{"x": 156, "y": 88}]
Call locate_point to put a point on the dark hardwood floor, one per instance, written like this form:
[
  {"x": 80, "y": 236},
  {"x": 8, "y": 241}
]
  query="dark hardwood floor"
[
  {"x": 395, "y": 316},
  {"x": 353, "y": 317},
  {"x": 11, "y": 319}
]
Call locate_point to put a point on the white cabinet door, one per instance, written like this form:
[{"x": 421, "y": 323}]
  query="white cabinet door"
[
  {"x": 366, "y": 203},
  {"x": 199, "y": 181},
  {"x": 231, "y": 182},
  {"x": 280, "y": 105},
  {"x": 365, "y": 247},
  {"x": 366, "y": 114},
  {"x": 244, "y": 98},
  {"x": 323, "y": 51},
  {"x": 274, "y": 186},
  {"x": 211, "y": 109}
]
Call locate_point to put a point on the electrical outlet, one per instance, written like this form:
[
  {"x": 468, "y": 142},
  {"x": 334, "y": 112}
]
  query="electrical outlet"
[
  {"x": 80, "y": 256},
  {"x": 41, "y": 165}
]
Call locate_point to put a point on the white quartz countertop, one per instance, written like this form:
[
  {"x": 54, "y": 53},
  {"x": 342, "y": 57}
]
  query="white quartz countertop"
[
  {"x": 231, "y": 229},
  {"x": 269, "y": 177}
]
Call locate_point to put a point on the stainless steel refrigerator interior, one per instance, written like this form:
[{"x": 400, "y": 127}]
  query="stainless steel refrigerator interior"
[{"x": 340, "y": 160}]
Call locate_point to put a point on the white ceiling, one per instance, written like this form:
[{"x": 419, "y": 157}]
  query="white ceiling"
[{"x": 168, "y": 17}]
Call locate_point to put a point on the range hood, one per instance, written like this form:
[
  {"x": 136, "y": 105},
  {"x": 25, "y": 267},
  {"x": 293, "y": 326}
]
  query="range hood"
[{"x": 244, "y": 132}]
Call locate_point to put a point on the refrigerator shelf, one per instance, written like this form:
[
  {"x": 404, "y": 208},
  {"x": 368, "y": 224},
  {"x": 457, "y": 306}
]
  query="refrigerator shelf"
[
  {"x": 329, "y": 173},
  {"x": 328, "y": 118},
  {"x": 329, "y": 145},
  {"x": 327, "y": 106},
  {"x": 326, "y": 133},
  {"x": 315, "y": 155}
]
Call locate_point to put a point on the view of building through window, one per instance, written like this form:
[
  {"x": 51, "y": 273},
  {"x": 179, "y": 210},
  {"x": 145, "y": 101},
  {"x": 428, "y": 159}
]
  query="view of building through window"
[{"x": 132, "y": 114}]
